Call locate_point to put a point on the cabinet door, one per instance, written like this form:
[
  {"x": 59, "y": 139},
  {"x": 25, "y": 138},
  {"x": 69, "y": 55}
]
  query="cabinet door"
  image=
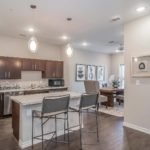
[
  {"x": 27, "y": 65},
  {"x": 50, "y": 69},
  {"x": 3, "y": 68},
  {"x": 59, "y": 69},
  {"x": 1, "y": 104},
  {"x": 39, "y": 65},
  {"x": 14, "y": 68}
]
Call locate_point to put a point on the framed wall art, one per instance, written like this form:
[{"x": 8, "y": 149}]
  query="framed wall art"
[
  {"x": 100, "y": 73},
  {"x": 91, "y": 72},
  {"x": 80, "y": 72},
  {"x": 140, "y": 66}
]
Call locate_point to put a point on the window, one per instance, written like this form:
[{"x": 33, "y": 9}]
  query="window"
[{"x": 121, "y": 74}]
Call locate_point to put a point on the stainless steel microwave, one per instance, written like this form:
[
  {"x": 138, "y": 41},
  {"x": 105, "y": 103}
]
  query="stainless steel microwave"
[{"x": 56, "y": 82}]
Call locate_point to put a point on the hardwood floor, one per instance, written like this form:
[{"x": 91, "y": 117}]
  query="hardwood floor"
[{"x": 113, "y": 136}]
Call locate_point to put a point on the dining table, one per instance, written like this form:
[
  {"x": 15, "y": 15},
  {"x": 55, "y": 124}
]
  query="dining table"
[{"x": 110, "y": 92}]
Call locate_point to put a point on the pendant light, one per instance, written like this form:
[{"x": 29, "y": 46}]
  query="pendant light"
[
  {"x": 33, "y": 45},
  {"x": 69, "y": 50}
]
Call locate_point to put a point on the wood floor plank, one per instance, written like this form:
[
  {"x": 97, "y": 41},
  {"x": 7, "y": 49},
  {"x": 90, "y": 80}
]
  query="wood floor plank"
[{"x": 113, "y": 136}]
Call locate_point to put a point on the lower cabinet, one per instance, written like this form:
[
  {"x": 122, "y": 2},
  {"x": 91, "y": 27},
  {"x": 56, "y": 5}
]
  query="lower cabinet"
[{"x": 1, "y": 105}]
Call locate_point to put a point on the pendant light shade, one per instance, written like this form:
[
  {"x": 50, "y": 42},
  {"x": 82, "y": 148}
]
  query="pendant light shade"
[
  {"x": 33, "y": 45},
  {"x": 69, "y": 50}
]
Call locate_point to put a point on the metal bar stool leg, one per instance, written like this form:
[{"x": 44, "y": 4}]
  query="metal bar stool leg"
[
  {"x": 32, "y": 129},
  {"x": 42, "y": 132},
  {"x": 55, "y": 128},
  {"x": 96, "y": 113},
  {"x": 68, "y": 128},
  {"x": 64, "y": 126},
  {"x": 80, "y": 124}
]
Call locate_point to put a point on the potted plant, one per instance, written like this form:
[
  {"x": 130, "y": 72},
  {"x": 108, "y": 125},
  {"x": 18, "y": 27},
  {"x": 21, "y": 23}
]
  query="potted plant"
[{"x": 116, "y": 83}]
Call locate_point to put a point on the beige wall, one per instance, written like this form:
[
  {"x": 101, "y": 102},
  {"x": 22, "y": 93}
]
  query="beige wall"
[
  {"x": 83, "y": 57},
  {"x": 116, "y": 60},
  {"x": 19, "y": 48},
  {"x": 137, "y": 96}
]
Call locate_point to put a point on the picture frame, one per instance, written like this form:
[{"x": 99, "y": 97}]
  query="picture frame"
[
  {"x": 80, "y": 72},
  {"x": 140, "y": 66},
  {"x": 100, "y": 73},
  {"x": 91, "y": 72}
]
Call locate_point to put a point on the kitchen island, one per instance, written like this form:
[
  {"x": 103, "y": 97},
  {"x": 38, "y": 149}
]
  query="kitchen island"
[{"x": 22, "y": 107}]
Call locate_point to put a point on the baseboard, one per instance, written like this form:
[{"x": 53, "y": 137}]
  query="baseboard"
[{"x": 135, "y": 127}]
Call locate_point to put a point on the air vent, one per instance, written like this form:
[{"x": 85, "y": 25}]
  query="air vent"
[
  {"x": 33, "y": 6},
  {"x": 69, "y": 19},
  {"x": 116, "y": 18},
  {"x": 111, "y": 42}
]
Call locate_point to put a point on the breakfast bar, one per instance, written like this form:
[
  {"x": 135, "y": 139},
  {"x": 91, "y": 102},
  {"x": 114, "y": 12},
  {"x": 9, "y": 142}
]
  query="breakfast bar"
[{"x": 22, "y": 107}]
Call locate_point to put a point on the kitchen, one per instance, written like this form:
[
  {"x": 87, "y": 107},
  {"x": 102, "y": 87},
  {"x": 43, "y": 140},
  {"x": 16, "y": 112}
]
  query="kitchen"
[
  {"x": 41, "y": 45},
  {"x": 14, "y": 68}
]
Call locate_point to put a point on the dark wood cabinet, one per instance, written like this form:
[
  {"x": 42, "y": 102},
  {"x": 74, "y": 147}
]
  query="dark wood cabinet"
[
  {"x": 39, "y": 65},
  {"x": 1, "y": 104},
  {"x": 50, "y": 69},
  {"x": 10, "y": 68},
  {"x": 3, "y": 69},
  {"x": 27, "y": 64},
  {"x": 59, "y": 69},
  {"x": 54, "y": 69},
  {"x": 14, "y": 68},
  {"x": 33, "y": 65}
]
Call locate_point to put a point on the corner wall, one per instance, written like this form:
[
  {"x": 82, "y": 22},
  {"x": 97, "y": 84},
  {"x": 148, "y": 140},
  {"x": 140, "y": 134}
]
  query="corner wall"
[
  {"x": 137, "y": 96},
  {"x": 116, "y": 60}
]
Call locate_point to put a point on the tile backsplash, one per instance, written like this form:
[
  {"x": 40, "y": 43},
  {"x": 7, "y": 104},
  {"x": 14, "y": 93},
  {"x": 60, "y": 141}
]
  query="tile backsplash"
[{"x": 29, "y": 79}]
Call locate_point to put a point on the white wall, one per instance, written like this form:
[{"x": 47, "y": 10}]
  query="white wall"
[
  {"x": 14, "y": 47},
  {"x": 116, "y": 60},
  {"x": 137, "y": 97},
  {"x": 19, "y": 48},
  {"x": 83, "y": 57}
]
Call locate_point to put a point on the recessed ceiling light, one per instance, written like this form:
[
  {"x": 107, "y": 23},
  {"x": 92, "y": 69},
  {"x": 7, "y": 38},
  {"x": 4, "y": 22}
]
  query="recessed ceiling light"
[
  {"x": 31, "y": 30},
  {"x": 84, "y": 44},
  {"x": 140, "y": 9},
  {"x": 64, "y": 37}
]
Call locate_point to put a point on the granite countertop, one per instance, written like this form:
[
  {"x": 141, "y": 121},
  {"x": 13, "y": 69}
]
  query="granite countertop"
[
  {"x": 37, "y": 98},
  {"x": 30, "y": 89}
]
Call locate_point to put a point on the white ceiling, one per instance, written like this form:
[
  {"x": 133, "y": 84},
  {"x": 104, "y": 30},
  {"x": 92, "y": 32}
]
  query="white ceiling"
[{"x": 91, "y": 20}]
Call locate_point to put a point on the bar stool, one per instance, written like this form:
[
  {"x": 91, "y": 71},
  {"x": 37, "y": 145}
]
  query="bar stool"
[
  {"x": 87, "y": 102},
  {"x": 52, "y": 107}
]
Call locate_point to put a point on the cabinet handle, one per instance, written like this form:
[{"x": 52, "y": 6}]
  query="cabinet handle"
[{"x": 35, "y": 66}]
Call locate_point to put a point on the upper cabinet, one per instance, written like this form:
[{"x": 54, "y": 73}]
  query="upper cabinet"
[
  {"x": 10, "y": 68},
  {"x": 59, "y": 69},
  {"x": 33, "y": 65},
  {"x": 54, "y": 69}
]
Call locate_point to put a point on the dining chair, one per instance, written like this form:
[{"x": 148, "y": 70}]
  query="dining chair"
[{"x": 92, "y": 87}]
